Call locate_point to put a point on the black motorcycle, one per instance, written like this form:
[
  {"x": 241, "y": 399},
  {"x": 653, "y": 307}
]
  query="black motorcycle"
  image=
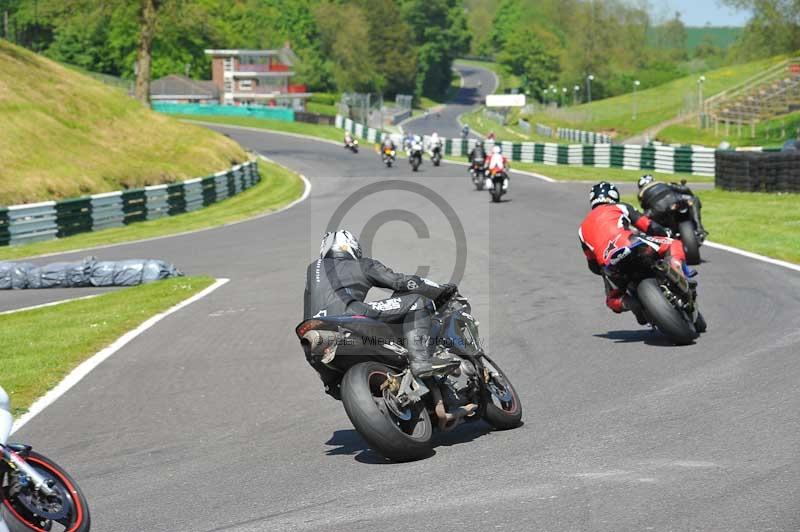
[
  {"x": 477, "y": 172},
  {"x": 391, "y": 409},
  {"x": 676, "y": 212},
  {"x": 497, "y": 178},
  {"x": 669, "y": 300},
  {"x": 351, "y": 145},
  {"x": 436, "y": 155},
  {"x": 415, "y": 156}
]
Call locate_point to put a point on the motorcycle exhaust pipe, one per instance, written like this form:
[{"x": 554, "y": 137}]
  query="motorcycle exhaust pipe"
[
  {"x": 448, "y": 421},
  {"x": 674, "y": 276}
]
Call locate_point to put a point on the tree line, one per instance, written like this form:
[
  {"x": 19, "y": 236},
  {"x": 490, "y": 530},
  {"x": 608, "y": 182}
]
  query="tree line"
[{"x": 387, "y": 46}]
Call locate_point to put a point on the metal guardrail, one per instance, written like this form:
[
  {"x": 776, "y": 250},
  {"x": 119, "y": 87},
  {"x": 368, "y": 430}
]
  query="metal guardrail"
[
  {"x": 584, "y": 137},
  {"x": 22, "y": 224}
]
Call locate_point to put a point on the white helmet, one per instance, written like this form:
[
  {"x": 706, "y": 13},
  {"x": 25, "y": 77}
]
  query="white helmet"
[
  {"x": 496, "y": 149},
  {"x": 340, "y": 243}
]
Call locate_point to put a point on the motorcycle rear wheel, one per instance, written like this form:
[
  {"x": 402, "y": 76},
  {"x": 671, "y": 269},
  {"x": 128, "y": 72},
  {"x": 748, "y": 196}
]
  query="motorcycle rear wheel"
[
  {"x": 20, "y": 518},
  {"x": 690, "y": 244},
  {"x": 397, "y": 439},
  {"x": 663, "y": 315}
]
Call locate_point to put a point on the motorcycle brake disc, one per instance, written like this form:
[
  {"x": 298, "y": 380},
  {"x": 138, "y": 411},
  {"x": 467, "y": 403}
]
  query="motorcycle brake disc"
[
  {"x": 404, "y": 414},
  {"x": 53, "y": 507}
]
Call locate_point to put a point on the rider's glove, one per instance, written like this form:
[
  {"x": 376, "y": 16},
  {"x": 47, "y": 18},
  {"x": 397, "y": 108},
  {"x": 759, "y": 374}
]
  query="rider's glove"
[{"x": 448, "y": 290}]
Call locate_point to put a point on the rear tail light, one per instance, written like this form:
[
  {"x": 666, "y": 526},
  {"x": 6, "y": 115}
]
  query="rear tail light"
[{"x": 306, "y": 326}]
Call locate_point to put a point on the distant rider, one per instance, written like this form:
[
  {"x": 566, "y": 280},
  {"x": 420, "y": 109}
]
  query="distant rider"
[
  {"x": 435, "y": 142},
  {"x": 337, "y": 284},
  {"x": 607, "y": 227},
  {"x": 497, "y": 164},
  {"x": 348, "y": 139},
  {"x": 655, "y": 197}
]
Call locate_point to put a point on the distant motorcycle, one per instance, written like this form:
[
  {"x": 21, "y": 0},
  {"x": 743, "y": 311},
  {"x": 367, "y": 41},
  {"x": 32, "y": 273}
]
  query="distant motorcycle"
[
  {"x": 477, "y": 171},
  {"x": 669, "y": 300},
  {"x": 436, "y": 154},
  {"x": 35, "y": 492},
  {"x": 674, "y": 211},
  {"x": 497, "y": 178},
  {"x": 415, "y": 155},
  {"x": 351, "y": 144},
  {"x": 394, "y": 411},
  {"x": 388, "y": 156}
]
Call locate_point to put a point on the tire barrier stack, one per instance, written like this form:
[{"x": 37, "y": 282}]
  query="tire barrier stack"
[
  {"x": 584, "y": 137},
  {"x": 693, "y": 160},
  {"x": 545, "y": 131},
  {"x": 754, "y": 171},
  {"x": 23, "y": 224}
]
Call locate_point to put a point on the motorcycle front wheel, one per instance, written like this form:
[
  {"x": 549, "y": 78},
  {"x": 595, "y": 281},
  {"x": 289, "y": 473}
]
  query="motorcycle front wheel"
[
  {"x": 400, "y": 434},
  {"x": 690, "y": 244},
  {"x": 25, "y": 510},
  {"x": 663, "y": 315},
  {"x": 503, "y": 408}
]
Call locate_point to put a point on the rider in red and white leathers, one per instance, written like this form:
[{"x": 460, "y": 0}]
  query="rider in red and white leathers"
[
  {"x": 608, "y": 227},
  {"x": 496, "y": 163}
]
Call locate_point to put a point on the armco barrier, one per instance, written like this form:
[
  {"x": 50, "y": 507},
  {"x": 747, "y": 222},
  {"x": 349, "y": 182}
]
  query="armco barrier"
[
  {"x": 584, "y": 137},
  {"x": 213, "y": 109},
  {"x": 694, "y": 160},
  {"x": 20, "y": 224}
]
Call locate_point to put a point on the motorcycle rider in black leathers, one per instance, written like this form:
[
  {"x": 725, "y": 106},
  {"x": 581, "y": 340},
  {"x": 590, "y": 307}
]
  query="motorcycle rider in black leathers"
[
  {"x": 478, "y": 153},
  {"x": 337, "y": 284},
  {"x": 656, "y": 198}
]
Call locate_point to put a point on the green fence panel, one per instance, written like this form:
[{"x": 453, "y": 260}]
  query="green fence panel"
[
  {"x": 134, "y": 205},
  {"x": 562, "y": 155},
  {"x": 176, "y": 199},
  {"x": 538, "y": 153},
  {"x": 683, "y": 159},
  {"x": 617, "y": 156},
  {"x": 648, "y": 158},
  {"x": 209, "y": 190},
  {"x": 270, "y": 113},
  {"x": 588, "y": 155},
  {"x": 516, "y": 151},
  {"x": 231, "y": 177},
  {"x": 5, "y": 236},
  {"x": 73, "y": 216}
]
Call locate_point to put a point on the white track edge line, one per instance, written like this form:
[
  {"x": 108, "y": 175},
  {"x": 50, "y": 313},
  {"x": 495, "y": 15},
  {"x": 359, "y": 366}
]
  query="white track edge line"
[
  {"x": 86, "y": 367},
  {"x": 751, "y": 255},
  {"x": 306, "y": 192},
  {"x": 51, "y": 304}
]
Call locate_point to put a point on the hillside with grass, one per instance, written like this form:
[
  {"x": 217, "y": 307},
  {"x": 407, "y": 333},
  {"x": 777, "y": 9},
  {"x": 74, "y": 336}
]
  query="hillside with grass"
[
  {"x": 653, "y": 106},
  {"x": 64, "y": 134}
]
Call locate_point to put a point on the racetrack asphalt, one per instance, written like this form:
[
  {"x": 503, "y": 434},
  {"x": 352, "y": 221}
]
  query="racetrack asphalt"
[
  {"x": 212, "y": 420},
  {"x": 477, "y": 83}
]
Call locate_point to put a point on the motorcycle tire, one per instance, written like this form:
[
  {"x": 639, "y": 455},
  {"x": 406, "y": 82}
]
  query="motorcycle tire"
[
  {"x": 386, "y": 433},
  {"x": 690, "y": 244},
  {"x": 497, "y": 193},
  {"x": 663, "y": 315},
  {"x": 479, "y": 185},
  {"x": 506, "y": 413},
  {"x": 436, "y": 161},
  {"x": 19, "y": 518},
  {"x": 414, "y": 166},
  {"x": 700, "y": 324}
]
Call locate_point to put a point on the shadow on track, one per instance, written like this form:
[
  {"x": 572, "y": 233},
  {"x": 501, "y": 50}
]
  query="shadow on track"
[
  {"x": 647, "y": 336},
  {"x": 350, "y": 442}
]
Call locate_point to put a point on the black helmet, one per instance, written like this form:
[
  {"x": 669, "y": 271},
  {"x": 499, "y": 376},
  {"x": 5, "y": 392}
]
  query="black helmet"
[
  {"x": 603, "y": 192},
  {"x": 479, "y": 143},
  {"x": 645, "y": 180}
]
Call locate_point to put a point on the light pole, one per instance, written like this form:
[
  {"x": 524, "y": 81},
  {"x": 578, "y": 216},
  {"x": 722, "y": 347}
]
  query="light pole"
[
  {"x": 635, "y": 85},
  {"x": 700, "y": 83},
  {"x": 575, "y": 90},
  {"x": 589, "y": 80},
  {"x": 563, "y": 96}
]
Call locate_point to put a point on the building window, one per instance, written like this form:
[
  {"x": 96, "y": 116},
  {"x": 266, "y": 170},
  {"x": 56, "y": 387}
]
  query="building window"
[
  {"x": 227, "y": 64},
  {"x": 246, "y": 85},
  {"x": 228, "y": 86}
]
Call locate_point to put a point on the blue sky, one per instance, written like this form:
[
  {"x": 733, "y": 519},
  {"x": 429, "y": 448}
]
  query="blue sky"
[{"x": 698, "y": 12}]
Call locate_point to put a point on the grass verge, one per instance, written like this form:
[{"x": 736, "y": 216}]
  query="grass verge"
[
  {"x": 759, "y": 222},
  {"x": 64, "y": 134},
  {"x": 773, "y": 132},
  {"x": 301, "y": 128},
  {"x": 41, "y": 346},
  {"x": 277, "y": 188}
]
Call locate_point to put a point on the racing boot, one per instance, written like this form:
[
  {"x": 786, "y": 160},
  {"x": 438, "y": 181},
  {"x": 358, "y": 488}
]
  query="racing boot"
[
  {"x": 422, "y": 362},
  {"x": 631, "y": 303}
]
